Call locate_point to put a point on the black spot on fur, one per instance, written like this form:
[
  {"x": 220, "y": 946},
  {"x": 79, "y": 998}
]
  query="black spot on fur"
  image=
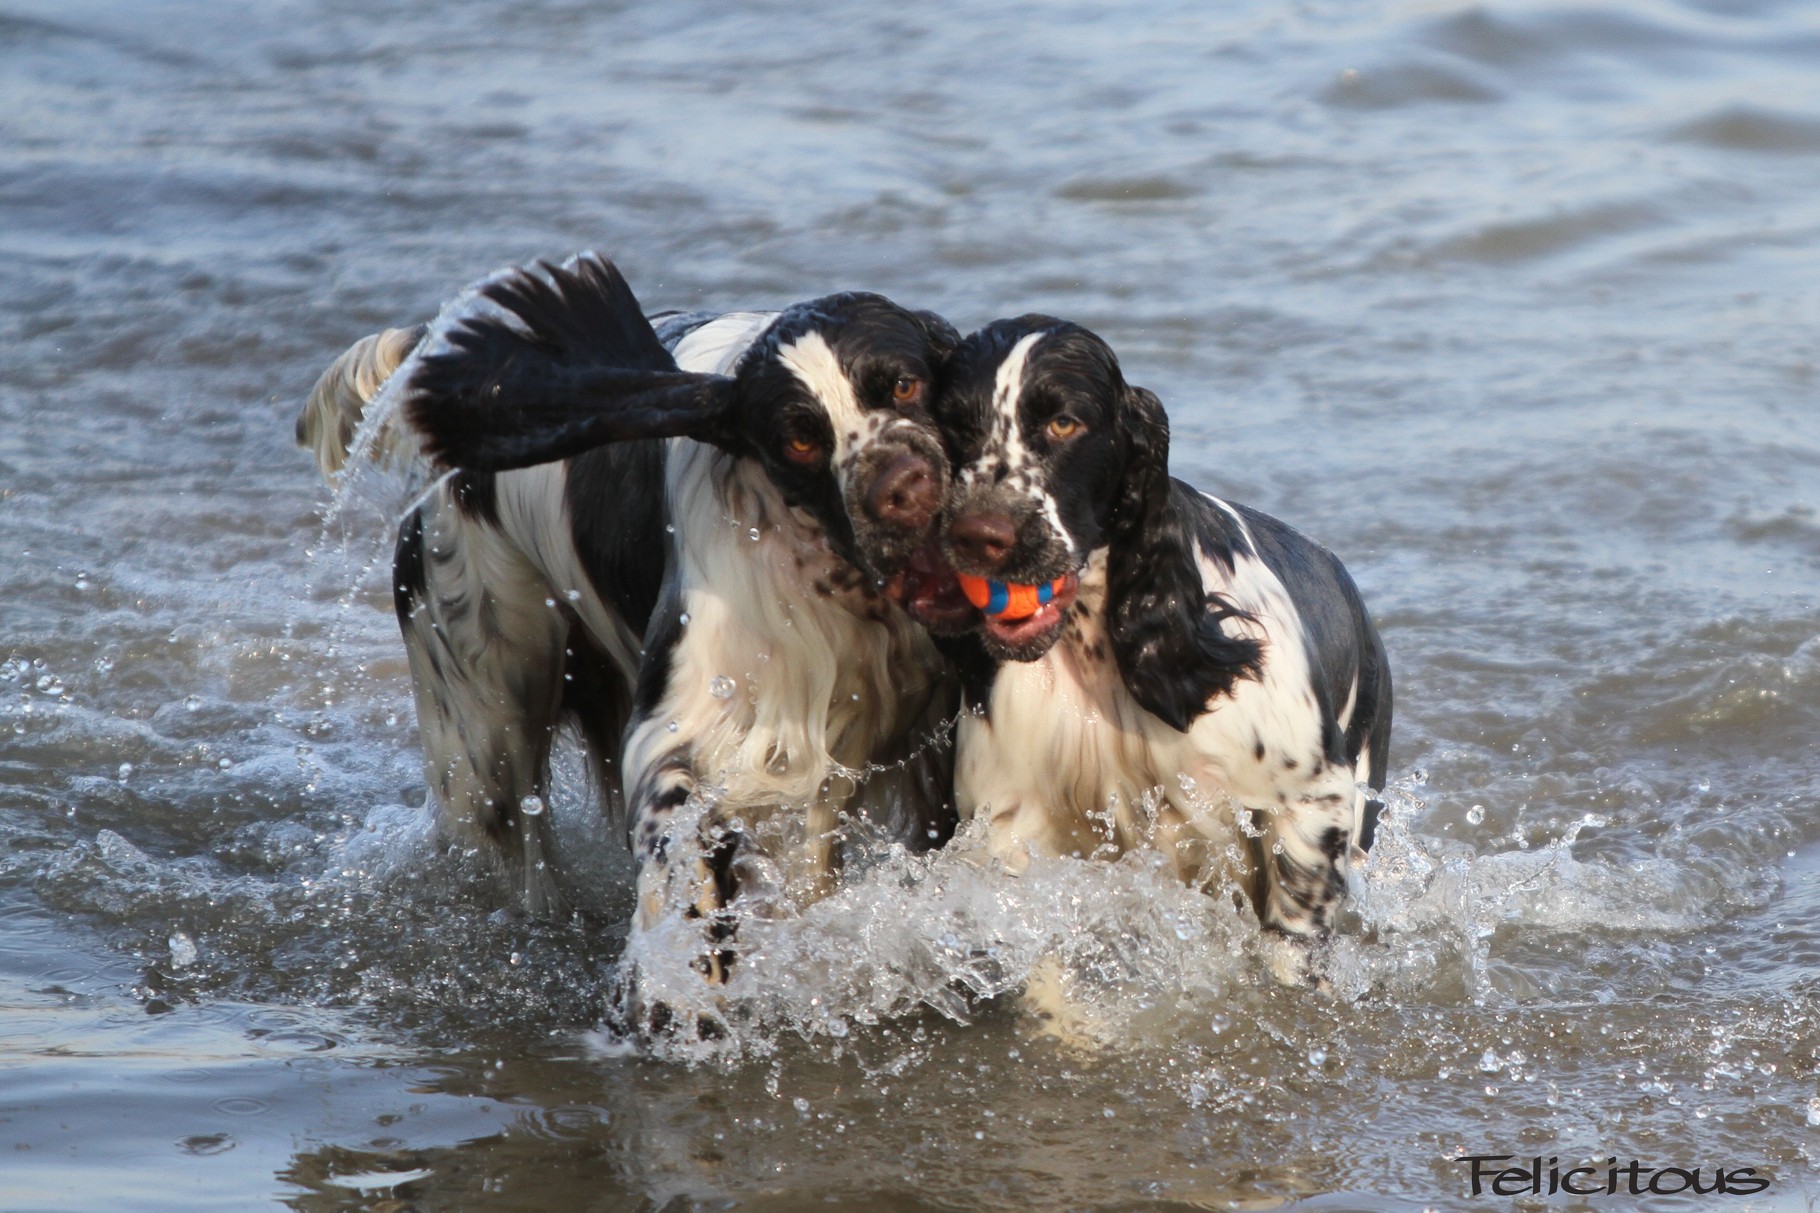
[
  {"x": 617, "y": 512},
  {"x": 408, "y": 578},
  {"x": 476, "y": 494},
  {"x": 1368, "y": 829}
]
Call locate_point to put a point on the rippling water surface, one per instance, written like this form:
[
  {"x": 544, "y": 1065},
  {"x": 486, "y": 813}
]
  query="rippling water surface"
[{"x": 1511, "y": 304}]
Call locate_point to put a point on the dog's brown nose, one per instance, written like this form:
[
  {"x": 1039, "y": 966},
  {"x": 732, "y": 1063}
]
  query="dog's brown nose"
[
  {"x": 982, "y": 539},
  {"x": 906, "y": 494}
]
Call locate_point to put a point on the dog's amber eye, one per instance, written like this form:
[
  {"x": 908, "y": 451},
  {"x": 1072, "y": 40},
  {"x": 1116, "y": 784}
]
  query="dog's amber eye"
[
  {"x": 802, "y": 450},
  {"x": 907, "y": 390},
  {"x": 1064, "y": 427}
]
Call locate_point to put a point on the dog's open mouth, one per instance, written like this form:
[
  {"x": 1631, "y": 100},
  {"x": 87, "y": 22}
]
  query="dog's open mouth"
[
  {"x": 1020, "y": 621},
  {"x": 927, "y": 588}
]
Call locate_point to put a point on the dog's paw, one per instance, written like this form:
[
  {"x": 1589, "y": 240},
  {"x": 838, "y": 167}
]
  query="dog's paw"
[{"x": 1297, "y": 961}]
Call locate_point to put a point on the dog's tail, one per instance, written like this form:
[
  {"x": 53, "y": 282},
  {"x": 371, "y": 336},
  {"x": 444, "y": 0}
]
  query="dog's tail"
[
  {"x": 541, "y": 363},
  {"x": 330, "y": 418}
]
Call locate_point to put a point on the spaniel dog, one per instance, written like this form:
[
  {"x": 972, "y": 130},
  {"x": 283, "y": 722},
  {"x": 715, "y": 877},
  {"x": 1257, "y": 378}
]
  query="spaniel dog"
[
  {"x": 710, "y": 542},
  {"x": 1155, "y": 666}
]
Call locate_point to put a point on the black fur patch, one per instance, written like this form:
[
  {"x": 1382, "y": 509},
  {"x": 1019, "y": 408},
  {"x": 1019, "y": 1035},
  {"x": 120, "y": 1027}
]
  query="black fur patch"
[{"x": 409, "y": 579}]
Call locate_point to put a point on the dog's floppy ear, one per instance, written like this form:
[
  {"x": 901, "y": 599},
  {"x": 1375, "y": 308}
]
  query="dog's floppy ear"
[
  {"x": 563, "y": 361},
  {"x": 1164, "y": 625}
]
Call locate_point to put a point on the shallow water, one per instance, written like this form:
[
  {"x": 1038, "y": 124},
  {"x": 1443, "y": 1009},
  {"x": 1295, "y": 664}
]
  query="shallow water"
[{"x": 1510, "y": 304}]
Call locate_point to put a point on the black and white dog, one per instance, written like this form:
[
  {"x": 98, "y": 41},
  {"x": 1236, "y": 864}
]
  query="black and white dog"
[
  {"x": 704, "y": 541},
  {"x": 1201, "y": 672}
]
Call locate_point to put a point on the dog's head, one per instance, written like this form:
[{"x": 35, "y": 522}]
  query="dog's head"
[
  {"x": 1051, "y": 449},
  {"x": 833, "y": 399},
  {"x": 1055, "y": 456}
]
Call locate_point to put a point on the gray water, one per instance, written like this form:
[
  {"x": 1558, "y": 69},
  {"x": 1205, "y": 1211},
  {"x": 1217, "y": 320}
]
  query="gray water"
[{"x": 1510, "y": 304}]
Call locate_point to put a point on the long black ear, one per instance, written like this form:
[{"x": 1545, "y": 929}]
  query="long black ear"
[
  {"x": 1164, "y": 625},
  {"x": 562, "y": 362}
]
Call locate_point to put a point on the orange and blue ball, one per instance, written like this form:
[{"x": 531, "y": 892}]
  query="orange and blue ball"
[{"x": 1008, "y": 600}]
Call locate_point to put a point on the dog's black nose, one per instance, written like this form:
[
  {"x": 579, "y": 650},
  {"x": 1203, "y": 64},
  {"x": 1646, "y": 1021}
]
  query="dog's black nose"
[
  {"x": 906, "y": 494},
  {"x": 983, "y": 540}
]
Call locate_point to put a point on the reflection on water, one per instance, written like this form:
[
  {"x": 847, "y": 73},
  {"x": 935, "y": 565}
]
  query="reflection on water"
[{"x": 1507, "y": 303}]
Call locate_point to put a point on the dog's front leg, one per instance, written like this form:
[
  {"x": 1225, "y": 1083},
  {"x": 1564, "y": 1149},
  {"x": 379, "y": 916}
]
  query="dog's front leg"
[
  {"x": 1307, "y": 845},
  {"x": 669, "y": 845}
]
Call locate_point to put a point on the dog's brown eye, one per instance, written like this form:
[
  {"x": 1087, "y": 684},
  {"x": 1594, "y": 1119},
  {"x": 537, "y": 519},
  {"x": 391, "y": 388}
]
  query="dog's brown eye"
[
  {"x": 802, "y": 450},
  {"x": 907, "y": 390},
  {"x": 1064, "y": 427}
]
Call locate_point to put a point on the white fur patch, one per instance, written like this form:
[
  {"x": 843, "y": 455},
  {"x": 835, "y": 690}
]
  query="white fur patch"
[
  {"x": 716, "y": 347},
  {"x": 1007, "y": 445},
  {"x": 811, "y": 359}
]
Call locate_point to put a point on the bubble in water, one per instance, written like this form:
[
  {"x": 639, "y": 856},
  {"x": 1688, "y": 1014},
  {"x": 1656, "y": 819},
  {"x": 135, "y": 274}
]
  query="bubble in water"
[
  {"x": 126, "y": 771},
  {"x": 531, "y": 806},
  {"x": 192, "y": 702},
  {"x": 183, "y": 950},
  {"x": 721, "y": 687},
  {"x": 801, "y": 1105},
  {"x": 1490, "y": 1063},
  {"x": 1813, "y": 1111},
  {"x": 1317, "y": 1055},
  {"x": 1476, "y": 814}
]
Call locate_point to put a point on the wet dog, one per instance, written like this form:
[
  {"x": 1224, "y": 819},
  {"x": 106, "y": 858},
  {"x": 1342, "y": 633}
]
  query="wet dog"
[
  {"x": 1156, "y": 667},
  {"x": 703, "y": 541}
]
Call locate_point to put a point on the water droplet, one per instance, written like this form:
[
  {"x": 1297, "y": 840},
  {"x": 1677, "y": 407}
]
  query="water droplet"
[
  {"x": 192, "y": 702},
  {"x": 183, "y": 950},
  {"x": 722, "y": 687},
  {"x": 549, "y": 602},
  {"x": 1476, "y": 814},
  {"x": 669, "y": 528},
  {"x": 1221, "y": 1023},
  {"x": 531, "y": 806},
  {"x": 125, "y": 772},
  {"x": 572, "y": 595},
  {"x": 684, "y": 620},
  {"x": 801, "y": 1105},
  {"x": 225, "y": 763},
  {"x": 752, "y": 534},
  {"x": 1813, "y": 1111},
  {"x": 673, "y": 726},
  {"x": 1490, "y": 1063},
  {"x": 1317, "y": 1055}
]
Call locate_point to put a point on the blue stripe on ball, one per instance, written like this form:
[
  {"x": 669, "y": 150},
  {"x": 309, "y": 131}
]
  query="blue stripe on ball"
[
  {"x": 1044, "y": 593},
  {"x": 998, "y": 597}
]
